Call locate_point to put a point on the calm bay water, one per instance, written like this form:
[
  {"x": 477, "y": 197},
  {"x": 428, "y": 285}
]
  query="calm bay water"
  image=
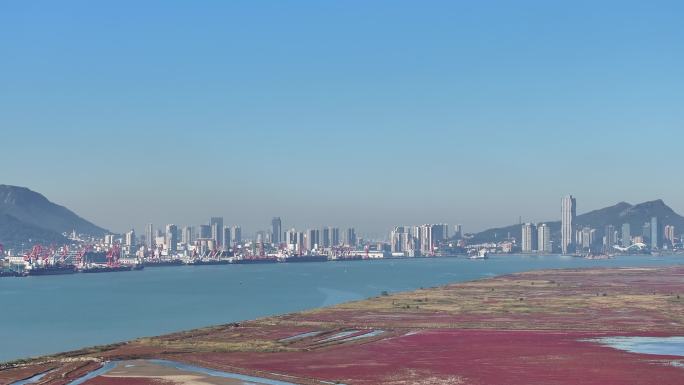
[{"x": 41, "y": 315}]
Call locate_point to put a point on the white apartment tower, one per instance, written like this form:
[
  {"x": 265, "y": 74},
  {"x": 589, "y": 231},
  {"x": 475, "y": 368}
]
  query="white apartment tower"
[{"x": 568, "y": 214}]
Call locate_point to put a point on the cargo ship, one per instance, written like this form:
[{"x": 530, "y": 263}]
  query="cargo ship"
[
  {"x": 51, "y": 270},
  {"x": 307, "y": 258},
  {"x": 161, "y": 263},
  {"x": 11, "y": 273},
  {"x": 202, "y": 262},
  {"x": 106, "y": 269},
  {"x": 249, "y": 261}
]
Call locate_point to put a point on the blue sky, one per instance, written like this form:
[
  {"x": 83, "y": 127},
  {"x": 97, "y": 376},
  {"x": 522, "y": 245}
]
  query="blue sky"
[{"x": 369, "y": 113}]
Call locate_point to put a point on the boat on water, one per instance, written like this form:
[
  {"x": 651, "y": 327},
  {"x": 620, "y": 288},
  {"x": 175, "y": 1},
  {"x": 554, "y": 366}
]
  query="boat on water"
[
  {"x": 106, "y": 269},
  {"x": 202, "y": 262},
  {"x": 11, "y": 273},
  {"x": 160, "y": 263},
  {"x": 481, "y": 254},
  {"x": 249, "y": 261},
  {"x": 50, "y": 270},
  {"x": 306, "y": 258}
]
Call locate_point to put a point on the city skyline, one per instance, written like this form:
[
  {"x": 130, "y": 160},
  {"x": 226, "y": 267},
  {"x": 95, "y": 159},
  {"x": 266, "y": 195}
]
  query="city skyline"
[{"x": 420, "y": 113}]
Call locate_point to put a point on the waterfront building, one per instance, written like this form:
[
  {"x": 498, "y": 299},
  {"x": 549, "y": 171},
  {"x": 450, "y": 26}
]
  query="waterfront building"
[
  {"x": 188, "y": 235},
  {"x": 312, "y": 239},
  {"x": 609, "y": 239},
  {"x": 149, "y": 236},
  {"x": 544, "y": 244},
  {"x": 171, "y": 238},
  {"x": 529, "y": 237},
  {"x": 236, "y": 234},
  {"x": 204, "y": 231},
  {"x": 216, "y": 224},
  {"x": 325, "y": 237},
  {"x": 626, "y": 235},
  {"x": 276, "y": 230},
  {"x": 350, "y": 237},
  {"x": 334, "y": 236},
  {"x": 130, "y": 240},
  {"x": 458, "y": 231},
  {"x": 669, "y": 234},
  {"x": 568, "y": 214},
  {"x": 656, "y": 241},
  {"x": 227, "y": 238}
]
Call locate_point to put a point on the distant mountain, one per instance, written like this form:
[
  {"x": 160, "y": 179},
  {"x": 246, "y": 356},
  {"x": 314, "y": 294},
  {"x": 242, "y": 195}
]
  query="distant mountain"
[
  {"x": 616, "y": 215},
  {"x": 26, "y": 214},
  {"x": 14, "y": 233}
]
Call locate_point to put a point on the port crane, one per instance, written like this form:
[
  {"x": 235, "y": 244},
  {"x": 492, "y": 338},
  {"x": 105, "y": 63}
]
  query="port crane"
[{"x": 113, "y": 255}]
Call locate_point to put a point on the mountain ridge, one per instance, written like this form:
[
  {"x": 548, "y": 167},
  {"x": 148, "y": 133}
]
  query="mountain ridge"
[{"x": 27, "y": 216}]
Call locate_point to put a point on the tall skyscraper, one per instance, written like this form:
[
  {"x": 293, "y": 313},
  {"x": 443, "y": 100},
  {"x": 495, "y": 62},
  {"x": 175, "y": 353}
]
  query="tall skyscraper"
[
  {"x": 626, "y": 235},
  {"x": 458, "y": 231},
  {"x": 171, "y": 238},
  {"x": 187, "y": 235},
  {"x": 568, "y": 214},
  {"x": 237, "y": 234},
  {"x": 656, "y": 241},
  {"x": 216, "y": 224},
  {"x": 529, "y": 237},
  {"x": 669, "y": 235},
  {"x": 130, "y": 240},
  {"x": 609, "y": 236},
  {"x": 544, "y": 244},
  {"x": 205, "y": 231},
  {"x": 325, "y": 237},
  {"x": 149, "y": 236},
  {"x": 334, "y": 236},
  {"x": 312, "y": 239},
  {"x": 227, "y": 238},
  {"x": 350, "y": 237},
  {"x": 276, "y": 230}
]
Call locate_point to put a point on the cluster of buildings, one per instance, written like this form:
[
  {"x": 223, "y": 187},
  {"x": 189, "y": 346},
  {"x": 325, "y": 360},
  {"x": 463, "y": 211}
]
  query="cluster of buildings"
[
  {"x": 214, "y": 236},
  {"x": 422, "y": 240},
  {"x": 651, "y": 235}
]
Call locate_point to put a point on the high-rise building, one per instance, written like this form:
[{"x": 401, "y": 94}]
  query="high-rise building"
[
  {"x": 586, "y": 237},
  {"x": 568, "y": 214},
  {"x": 334, "y": 236},
  {"x": 458, "y": 231},
  {"x": 204, "y": 231},
  {"x": 529, "y": 237},
  {"x": 130, "y": 240},
  {"x": 656, "y": 241},
  {"x": 216, "y": 224},
  {"x": 276, "y": 230},
  {"x": 227, "y": 238},
  {"x": 236, "y": 234},
  {"x": 669, "y": 234},
  {"x": 350, "y": 237},
  {"x": 188, "y": 235},
  {"x": 312, "y": 239},
  {"x": 609, "y": 236},
  {"x": 544, "y": 244},
  {"x": 325, "y": 237},
  {"x": 149, "y": 236},
  {"x": 171, "y": 238},
  {"x": 626, "y": 235}
]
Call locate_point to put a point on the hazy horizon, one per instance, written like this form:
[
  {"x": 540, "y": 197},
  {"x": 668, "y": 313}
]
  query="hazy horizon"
[{"x": 350, "y": 114}]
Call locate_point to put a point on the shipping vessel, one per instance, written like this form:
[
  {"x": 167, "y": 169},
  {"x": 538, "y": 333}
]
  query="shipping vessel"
[
  {"x": 256, "y": 260},
  {"x": 106, "y": 269},
  {"x": 202, "y": 262},
  {"x": 51, "y": 270},
  {"x": 307, "y": 258}
]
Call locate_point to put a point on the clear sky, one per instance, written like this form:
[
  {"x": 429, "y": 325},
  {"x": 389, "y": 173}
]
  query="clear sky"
[{"x": 369, "y": 113}]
